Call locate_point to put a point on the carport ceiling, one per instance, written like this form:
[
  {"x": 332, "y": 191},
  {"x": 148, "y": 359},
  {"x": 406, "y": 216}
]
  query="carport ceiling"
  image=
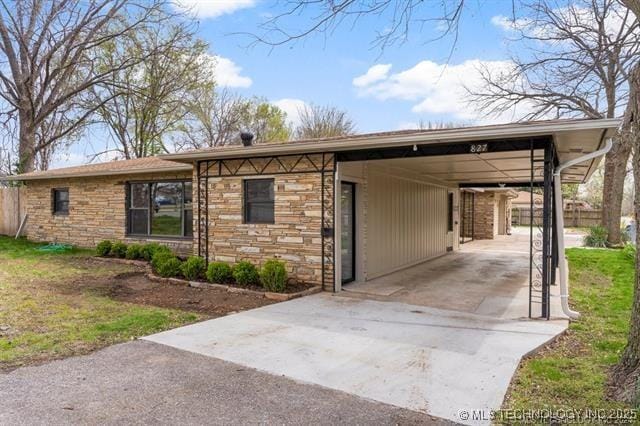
[
  {"x": 497, "y": 167},
  {"x": 507, "y": 167}
]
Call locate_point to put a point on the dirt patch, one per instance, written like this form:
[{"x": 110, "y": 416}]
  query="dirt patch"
[{"x": 135, "y": 287}]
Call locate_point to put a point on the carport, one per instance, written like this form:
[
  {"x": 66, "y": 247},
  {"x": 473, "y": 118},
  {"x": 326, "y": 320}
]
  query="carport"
[
  {"x": 398, "y": 209},
  {"x": 355, "y": 208}
]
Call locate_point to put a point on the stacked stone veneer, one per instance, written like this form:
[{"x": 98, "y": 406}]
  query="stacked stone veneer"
[
  {"x": 484, "y": 215},
  {"x": 96, "y": 211},
  {"x": 296, "y": 236}
]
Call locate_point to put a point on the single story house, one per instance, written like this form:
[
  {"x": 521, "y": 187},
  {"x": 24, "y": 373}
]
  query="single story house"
[
  {"x": 523, "y": 201},
  {"x": 340, "y": 209}
]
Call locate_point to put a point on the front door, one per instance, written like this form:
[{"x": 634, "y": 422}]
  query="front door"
[{"x": 348, "y": 231}]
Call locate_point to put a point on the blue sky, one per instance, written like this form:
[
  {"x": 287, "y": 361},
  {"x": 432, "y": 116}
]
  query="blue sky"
[{"x": 409, "y": 82}]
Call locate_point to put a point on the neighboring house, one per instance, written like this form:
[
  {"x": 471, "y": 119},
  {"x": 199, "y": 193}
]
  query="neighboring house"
[
  {"x": 376, "y": 203},
  {"x": 523, "y": 201}
]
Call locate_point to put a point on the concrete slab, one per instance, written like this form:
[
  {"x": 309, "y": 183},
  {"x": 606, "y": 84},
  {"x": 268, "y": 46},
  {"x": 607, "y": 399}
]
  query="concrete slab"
[
  {"x": 485, "y": 277},
  {"x": 424, "y": 359}
]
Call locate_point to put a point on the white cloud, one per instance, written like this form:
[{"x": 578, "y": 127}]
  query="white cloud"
[
  {"x": 226, "y": 73},
  {"x": 509, "y": 24},
  {"x": 375, "y": 73},
  {"x": 439, "y": 90},
  {"x": 292, "y": 107},
  {"x": 204, "y": 9}
]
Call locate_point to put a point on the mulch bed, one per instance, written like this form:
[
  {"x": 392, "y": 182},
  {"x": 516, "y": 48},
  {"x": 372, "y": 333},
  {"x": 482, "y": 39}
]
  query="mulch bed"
[{"x": 135, "y": 287}]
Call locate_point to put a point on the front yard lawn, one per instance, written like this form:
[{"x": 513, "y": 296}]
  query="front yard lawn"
[
  {"x": 571, "y": 373},
  {"x": 54, "y": 305}
]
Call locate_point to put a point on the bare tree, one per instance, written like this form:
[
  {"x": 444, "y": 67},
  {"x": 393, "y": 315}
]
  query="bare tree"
[
  {"x": 142, "y": 105},
  {"x": 47, "y": 52},
  {"x": 404, "y": 15},
  {"x": 573, "y": 61},
  {"x": 217, "y": 116},
  {"x": 626, "y": 374},
  {"x": 323, "y": 122}
]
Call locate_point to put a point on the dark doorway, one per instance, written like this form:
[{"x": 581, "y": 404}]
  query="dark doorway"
[
  {"x": 348, "y": 231},
  {"x": 467, "y": 199}
]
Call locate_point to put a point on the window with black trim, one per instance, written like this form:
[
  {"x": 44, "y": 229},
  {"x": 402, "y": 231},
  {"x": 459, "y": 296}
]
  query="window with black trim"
[
  {"x": 60, "y": 201},
  {"x": 258, "y": 201},
  {"x": 161, "y": 209}
]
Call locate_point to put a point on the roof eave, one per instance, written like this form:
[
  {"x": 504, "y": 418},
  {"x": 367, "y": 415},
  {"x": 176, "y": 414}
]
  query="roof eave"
[
  {"x": 20, "y": 178},
  {"x": 431, "y": 137}
]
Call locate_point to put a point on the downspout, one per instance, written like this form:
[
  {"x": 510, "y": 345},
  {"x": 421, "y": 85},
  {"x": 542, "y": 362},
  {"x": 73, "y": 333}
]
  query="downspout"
[{"x": 563, "y": 264}]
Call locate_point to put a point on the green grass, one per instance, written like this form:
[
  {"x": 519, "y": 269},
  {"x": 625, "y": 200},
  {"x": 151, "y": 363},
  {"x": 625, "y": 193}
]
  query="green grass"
[
  {"x": 43, "y": 316},
  {"x": 572, "y": 372}
]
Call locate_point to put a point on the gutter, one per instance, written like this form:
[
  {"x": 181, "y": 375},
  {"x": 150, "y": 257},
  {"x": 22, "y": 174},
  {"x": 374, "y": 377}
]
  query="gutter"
[{"x": 563, "y": 265}]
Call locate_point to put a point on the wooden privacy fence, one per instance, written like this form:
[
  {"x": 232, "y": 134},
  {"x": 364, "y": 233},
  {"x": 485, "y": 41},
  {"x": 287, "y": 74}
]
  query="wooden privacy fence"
[
  {"x": 12, "y": 210},
  {"x": 575, "y": 218}
]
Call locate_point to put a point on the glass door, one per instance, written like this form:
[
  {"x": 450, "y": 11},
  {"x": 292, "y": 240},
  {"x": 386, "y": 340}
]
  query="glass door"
[{"x": 348, "y": 234}]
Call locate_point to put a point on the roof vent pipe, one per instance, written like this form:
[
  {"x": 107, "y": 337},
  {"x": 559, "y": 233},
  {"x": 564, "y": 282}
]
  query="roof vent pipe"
[
  {"x": 563, "y": 264},
  {"x": 247, "y": 138}
]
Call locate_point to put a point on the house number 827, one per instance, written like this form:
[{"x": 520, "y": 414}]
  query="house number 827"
[{"x": 479, "y": 147}]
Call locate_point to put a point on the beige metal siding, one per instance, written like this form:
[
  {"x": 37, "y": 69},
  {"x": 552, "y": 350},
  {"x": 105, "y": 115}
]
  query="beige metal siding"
[{"x": 406, "y": 222}]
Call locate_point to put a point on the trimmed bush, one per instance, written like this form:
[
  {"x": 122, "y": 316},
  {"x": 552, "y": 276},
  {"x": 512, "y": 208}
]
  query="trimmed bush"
[
  {"x": 219, "y": 272},
  {"x": 597, "y": 237},
  {"x": 168, "y": 266},
  {"x": 273, "y": 276},
  {"x": 118, "y": 249},
  {"x": 103, "y": 248},
  {"x": 134, "y": 252},
  {"x": 148, "y": 250},
  {"x": 160, "y": 256},
  {"x": 244, "y": 273},
  {"x": 194, "y": 268}
]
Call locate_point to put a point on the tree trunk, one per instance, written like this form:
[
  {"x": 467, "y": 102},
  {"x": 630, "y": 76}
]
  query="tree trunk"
[
  {"x": 624, "y": 378},
  {"x": 615, "y": 170},
  {"x": 27, "y": 144}
]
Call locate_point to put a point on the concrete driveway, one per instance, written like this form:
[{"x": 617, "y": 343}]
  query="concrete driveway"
[{"x": 420, "y": 358}]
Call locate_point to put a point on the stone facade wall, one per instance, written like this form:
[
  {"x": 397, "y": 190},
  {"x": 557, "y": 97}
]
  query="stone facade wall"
[
  {"x": 295, "y": 237},
  {"x": 96, "y": 211},
  {"x": 484, "y": 215}
]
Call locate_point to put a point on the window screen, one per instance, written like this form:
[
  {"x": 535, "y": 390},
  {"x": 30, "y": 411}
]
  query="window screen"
[
  {"x": 60, "y": 201},
  {"x": 258, "y": 201}
]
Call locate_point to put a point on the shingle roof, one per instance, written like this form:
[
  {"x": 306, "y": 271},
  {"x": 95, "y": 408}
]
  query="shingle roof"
[{"x": 119, "y": 167}]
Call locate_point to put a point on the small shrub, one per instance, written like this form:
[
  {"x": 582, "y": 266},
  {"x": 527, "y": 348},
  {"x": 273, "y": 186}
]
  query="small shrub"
[
  {"x": 160, "y": 256},
  {"x": 273, "y": 276},
  {"x": 597, "y": 237},
  {"x": 118, "y": 249},
  {"x": 219, "y": 272},
  {"x": 194, "y": 268},
  {"x": 168, "y": 266},
  {"x": 148, "y": 250},
  {"x": 629, "y": 251},
  {"x": 103, "y": 248},
  {"x": 134, "y": 252},
  {"x": 244, "y": 273}
]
